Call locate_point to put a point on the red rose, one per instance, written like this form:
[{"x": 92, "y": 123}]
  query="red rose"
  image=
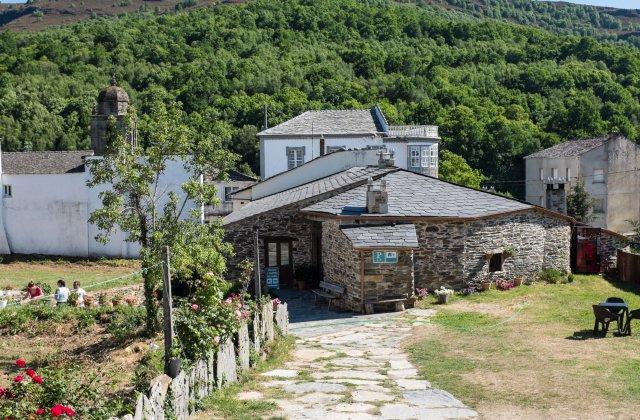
[
  {"x": 21, "y": 363},
  {"x": 69, "y": 411},
  {"x": 30, "y": 373},
  {"x": 57, "y": 410},
  {"x": 2, "y": 391},
  {"x": 18, "y": 379},
  {"x": 37, "y": 379},
  {"x": 40, "y": 411}
]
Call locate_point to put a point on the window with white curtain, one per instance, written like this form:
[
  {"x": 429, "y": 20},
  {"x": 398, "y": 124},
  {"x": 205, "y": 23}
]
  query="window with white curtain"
[{"x": 295, "y": 157}]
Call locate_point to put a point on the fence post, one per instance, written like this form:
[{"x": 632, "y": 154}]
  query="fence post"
[
  {"x": 167, "y": 304},
  {"x": 256, "y": 251}
]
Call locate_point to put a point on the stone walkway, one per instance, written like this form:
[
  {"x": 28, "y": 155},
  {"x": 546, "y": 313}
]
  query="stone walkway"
[{"x": 355, "y": 369}]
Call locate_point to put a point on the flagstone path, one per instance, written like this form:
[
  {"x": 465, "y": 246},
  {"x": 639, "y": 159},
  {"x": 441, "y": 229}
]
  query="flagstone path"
[{"x": 355, "y": 369}]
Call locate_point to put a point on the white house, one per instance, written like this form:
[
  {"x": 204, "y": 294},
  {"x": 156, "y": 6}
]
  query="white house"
[
  {"x": 46, "y": 203},
  {"x": 317, "y": 133}
]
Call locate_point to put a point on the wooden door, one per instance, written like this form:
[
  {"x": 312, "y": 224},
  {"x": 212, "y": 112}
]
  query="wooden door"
[{"x": 278, "y": 254}]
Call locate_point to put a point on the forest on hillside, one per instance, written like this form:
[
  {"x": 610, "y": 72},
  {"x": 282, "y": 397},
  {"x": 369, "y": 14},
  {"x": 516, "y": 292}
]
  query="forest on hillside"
[
  {"x": 498, "y": 91},
  {"x": 566, "y": 18}
]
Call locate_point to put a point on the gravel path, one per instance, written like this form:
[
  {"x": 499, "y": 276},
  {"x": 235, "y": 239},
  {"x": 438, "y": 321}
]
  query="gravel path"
[{"x": 355, "y": 369}]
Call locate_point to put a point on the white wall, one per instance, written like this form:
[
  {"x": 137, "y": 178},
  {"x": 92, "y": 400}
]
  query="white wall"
[
  {"x": 46, "y": 214},
  {"x": 172, "y": 180},
  {"x": 319, "y": 168},
  {"x": 273, "y": 150}
]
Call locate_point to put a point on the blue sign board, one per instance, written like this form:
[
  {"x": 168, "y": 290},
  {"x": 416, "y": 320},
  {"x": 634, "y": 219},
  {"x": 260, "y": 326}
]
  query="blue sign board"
[
  {"x": 385, "y": 257},
  {"x": 273, "y": 278}
]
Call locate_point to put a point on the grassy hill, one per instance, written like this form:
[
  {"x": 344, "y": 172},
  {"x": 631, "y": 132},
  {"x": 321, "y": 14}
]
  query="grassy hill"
[{"x": 40, "y": 14}]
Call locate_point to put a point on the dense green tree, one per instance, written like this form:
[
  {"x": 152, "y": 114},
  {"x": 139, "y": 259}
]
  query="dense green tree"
[
  {"x": 580, "y": 203},
  {"x": 498, "y": 91},
  {"x": 454, "y": 168}
]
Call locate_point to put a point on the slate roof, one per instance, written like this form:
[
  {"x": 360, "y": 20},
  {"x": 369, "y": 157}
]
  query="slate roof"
[
  {"x": 338, "y": 180},
  {"x": 51, "y": 162},
  {"x": 239, "y": 176},
  {"x": 387, "y": 236},
  {"x": 569, "y": 148},
  {"x": 330, "y": 122},
  {"x": 412, "y": 194}
]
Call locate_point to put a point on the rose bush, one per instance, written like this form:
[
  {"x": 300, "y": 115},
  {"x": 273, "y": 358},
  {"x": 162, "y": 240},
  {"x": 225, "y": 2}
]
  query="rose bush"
[{"x": 59, "y": 393}]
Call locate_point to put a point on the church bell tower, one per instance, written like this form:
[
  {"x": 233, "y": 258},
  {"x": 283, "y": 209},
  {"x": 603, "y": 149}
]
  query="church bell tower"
[{"x": 113, "y": 101}]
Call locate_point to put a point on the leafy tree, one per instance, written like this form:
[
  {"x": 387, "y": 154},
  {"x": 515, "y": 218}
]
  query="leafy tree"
[
  {"x": 454, "y": 168},
  {"x": 151, "y": 217},
  {"x": 580, "y": 203}
]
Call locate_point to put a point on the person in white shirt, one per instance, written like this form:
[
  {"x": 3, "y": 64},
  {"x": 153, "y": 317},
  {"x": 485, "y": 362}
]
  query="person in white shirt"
[
  {"x": 62, "y": 293},
  {"x": 80, "y": 292}
]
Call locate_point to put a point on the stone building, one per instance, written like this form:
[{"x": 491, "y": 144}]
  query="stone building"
[
  {"x": 609, "y": 166},
  {"x": 435, "y": 233},
  {"x": 113, "y": 102}
]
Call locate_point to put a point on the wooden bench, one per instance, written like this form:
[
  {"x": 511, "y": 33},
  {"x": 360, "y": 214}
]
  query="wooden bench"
[
  {"x": 329, "y": 292},
  {"x": 398, "y": 300}
]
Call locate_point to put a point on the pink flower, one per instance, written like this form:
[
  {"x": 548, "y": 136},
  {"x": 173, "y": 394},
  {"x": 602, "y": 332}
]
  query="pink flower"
[
  {"x": 21, "y": 363},
  {"x": 216, "y": 339},
  {"x": 245, "y": 314},
  {"x": 2, "y": 391},
  {"x": 18, "y": 379},
  {"x": 195, "y": 307},
  {"x": 238, "y": 313},
  {"x": 37, "y": 379},
  {"x": 57, "y": 410},
  {"x": 40, "y": 411},
  {"x": 227, "y": 301}
]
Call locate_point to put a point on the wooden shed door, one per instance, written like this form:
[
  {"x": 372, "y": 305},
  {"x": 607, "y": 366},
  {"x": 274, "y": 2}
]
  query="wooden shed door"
[{"x": 279, "y": 255}]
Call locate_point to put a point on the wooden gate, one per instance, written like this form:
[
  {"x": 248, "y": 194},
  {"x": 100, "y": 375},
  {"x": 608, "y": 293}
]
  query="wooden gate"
[
  {"x": 629, "y": 266},
  {"x": 587, "y": 258}
]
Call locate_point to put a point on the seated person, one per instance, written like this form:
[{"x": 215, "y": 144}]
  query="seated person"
[
  {"x": 62, "y": 293},
  {"x": 80, "y": 292},
  {"x": 33, "y": 292}
]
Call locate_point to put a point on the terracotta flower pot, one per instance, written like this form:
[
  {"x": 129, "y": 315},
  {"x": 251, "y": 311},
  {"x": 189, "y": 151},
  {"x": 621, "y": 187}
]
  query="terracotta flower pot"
[
  {"x": 486, "y": 286},
  {"x": 518, "y": 281}
]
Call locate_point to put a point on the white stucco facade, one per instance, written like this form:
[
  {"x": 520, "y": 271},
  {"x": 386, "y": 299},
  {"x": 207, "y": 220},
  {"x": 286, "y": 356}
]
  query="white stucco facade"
[{"x": 48, "y": 214}]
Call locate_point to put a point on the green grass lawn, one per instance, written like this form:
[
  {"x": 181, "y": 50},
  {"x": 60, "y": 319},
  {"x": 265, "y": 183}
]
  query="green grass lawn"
[
  {"x": 16, "y": 274},
  {"x": 530, "y": 352}
]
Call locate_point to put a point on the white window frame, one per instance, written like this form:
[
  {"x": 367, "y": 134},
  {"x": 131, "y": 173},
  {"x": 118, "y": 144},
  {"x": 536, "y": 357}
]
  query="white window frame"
[
  {"x": 7, "y": 191},
  {"x": 228, "y": 190},
  {"x": 598, "y": 176},
  {"x": 541, "y": 171},
  {"x": 554, "y": 173},
  {"x": 568, "y": 172},
  {"x": 295, "y": 157},
  {"x": 422, "y": 157}
]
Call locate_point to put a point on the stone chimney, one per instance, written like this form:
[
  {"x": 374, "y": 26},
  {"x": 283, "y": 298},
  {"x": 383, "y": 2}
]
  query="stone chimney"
[
  {"x": 377, "y": 197},
  {"x": 385, "y": 158}
]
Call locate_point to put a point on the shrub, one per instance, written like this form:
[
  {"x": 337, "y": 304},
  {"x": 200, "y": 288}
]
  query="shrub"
[
  {"x": 552, "y": 276},
  {"x": 505, "y": 284},
  {"x": 126, "y": 322},
  {"x": 421, "y": 293}
]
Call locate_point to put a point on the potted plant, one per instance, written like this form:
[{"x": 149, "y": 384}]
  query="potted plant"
[
  {"x": 508, "y": 252},
  {"x": 485, "y": 284},
  {"x": 304, "y": 277},
  {"x": 518, "y": 281},
  {"x": 421, "y": 293},
  {"x": 443, "y": 294}
]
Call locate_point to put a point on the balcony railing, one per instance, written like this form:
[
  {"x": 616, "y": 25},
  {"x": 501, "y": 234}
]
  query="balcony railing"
[{"x": 426, "y": 131}]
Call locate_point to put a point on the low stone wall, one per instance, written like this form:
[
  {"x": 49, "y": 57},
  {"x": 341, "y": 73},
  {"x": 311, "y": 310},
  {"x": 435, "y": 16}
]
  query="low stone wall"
[{"x": 175, "y": 398}]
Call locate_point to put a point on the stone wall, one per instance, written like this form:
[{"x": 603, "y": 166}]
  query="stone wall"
[
  {"x": 284, "y": 222},
  {"x": 453, "y": 254},
  {"x": 388, "y": 280},
  {"x": 608, "y": 247},
  {"x": 176, "y": 398},
  {"x": 341, "y": 264}
]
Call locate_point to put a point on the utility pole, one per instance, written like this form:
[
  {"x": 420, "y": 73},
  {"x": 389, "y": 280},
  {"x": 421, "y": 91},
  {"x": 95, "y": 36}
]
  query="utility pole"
[
  {"x": 167, "y": 307},
  {"x": 256, "y": 264}
]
